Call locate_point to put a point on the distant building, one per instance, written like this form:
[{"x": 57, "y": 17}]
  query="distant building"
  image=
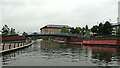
[
  {"x": 117, "y": 24},
  {"x": 53, "y": 29}
]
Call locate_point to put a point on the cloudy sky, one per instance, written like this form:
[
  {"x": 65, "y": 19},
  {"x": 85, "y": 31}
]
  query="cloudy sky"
[{"x": 31, "y": 15}]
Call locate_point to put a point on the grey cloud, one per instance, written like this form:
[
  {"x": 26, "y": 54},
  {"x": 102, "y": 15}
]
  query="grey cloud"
[{"x": 31, "y": 15}]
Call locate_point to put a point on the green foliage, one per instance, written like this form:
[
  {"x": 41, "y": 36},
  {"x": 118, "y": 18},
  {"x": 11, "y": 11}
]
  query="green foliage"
[
  {"x": 107, "y": 28},
  {"x": 64, "y": 30},
  {"x": 102, "y": 29},
  {"x": 77, "y": 30},
  {"x": 7, "y": 30},
  {"x": 24, "y": 34},
  {"x": 81, "y": 31},
  {"x": 12, "y": 31},
  {"x": 86, "y": 27},
  {"x": 118, "y": 31},
  {"x": 94, "y": 29},
  {"x": 35, "y": 33},
  {"x": 9, "y": 35},
  {"x": 88, "y": 33}
]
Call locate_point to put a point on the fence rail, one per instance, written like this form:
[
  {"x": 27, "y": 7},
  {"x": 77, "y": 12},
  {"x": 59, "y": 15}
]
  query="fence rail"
[{"x": 11, "y": 45}]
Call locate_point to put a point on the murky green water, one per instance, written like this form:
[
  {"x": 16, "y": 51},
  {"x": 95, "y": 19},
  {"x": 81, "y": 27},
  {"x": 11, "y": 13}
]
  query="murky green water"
[{"x": 49, "y": 53}]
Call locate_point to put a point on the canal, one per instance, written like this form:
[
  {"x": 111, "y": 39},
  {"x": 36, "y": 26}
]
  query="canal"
[{"x": 50, "y": 53}]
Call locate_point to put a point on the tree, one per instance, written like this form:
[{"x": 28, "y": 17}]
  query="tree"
[
  {"x": 86, "y": 27},
  {"x": 12, "y": 31},
  {"x": 73, "y": 31},
  {"x": 107, "y": 29},
  {"x": 78, "y": 30},
  {"x": 5, "y": 29},
  {"x": 118, "y": 31},
  {"x": 87, "y": 32},
  {"x": 35, "y": 33},
  {"x": 100, "y": 29},
  {"x": 83, "y": 31},
  {"x": 94, "y": 29},
  {"x": 24, "y": 34},
  {"x": 64, "y": 30}
]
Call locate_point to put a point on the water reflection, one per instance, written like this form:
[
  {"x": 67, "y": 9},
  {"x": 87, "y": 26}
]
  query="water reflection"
[
  {"x": 104, "y": 55},
  {"x": 45, "y": 53}
]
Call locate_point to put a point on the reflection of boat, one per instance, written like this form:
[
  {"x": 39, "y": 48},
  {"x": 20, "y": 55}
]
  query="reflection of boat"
[
  {"x": 101, "y": 42},
  {"x": 108, "y": 49}
]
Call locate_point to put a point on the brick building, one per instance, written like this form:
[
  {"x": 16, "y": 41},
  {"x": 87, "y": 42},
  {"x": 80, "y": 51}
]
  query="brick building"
[{"x": 53, "y": 29}]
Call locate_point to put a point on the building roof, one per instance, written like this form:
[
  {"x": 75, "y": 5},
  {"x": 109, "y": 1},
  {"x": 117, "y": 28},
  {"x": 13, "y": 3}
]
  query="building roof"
[{"x": 57, "y": 26}]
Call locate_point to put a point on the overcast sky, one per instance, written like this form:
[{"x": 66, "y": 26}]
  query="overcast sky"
[{"x": 31, "y": 15}]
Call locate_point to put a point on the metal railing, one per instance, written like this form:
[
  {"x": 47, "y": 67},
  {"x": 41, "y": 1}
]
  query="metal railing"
[
  {"x": 61, "y": 34},
  {"x": 13, "y": 44}
]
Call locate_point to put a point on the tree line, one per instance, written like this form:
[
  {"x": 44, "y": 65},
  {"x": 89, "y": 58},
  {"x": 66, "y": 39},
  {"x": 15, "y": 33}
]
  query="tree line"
[
  {"x": 7, "y": 31},
  {"x": 96, "y": 30},
  {"x": 77, "y": 30},
  {"x": 102, "y": 29}
]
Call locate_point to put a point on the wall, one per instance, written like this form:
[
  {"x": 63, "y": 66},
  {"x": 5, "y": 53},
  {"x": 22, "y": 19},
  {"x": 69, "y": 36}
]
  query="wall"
[{"x": 13, "y": 38}]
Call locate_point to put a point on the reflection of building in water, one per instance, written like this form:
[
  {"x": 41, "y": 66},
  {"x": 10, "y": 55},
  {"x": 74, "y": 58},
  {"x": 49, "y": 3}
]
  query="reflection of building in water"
[{"x": 49, "y": 45}]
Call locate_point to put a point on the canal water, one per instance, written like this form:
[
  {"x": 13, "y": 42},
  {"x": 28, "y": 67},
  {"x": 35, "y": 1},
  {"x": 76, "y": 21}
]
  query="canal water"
[{"x": 50, "y": 53}]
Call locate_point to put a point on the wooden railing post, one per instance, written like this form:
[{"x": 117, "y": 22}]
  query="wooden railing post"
[
  {"x": 10, "y": 46},
  {"x": 14, "y": 44},
  {"x": 18, "y": 44},
  {"x": 3, "y": 46},
  {"x": 21, "y": 43}
]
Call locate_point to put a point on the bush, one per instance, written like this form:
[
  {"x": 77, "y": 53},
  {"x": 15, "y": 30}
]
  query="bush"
[{"x": 9, "y": 35}]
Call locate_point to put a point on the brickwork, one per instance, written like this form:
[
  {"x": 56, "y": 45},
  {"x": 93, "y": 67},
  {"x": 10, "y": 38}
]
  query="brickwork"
[{"x": 51, "y": 30}]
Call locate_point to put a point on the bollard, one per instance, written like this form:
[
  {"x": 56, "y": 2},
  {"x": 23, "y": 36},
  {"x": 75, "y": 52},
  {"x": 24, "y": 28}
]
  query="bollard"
[
  {"x": 10, "y": 46},
  {"x": 14, "y": 44},
  {"x": 3, "y": 46}
]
